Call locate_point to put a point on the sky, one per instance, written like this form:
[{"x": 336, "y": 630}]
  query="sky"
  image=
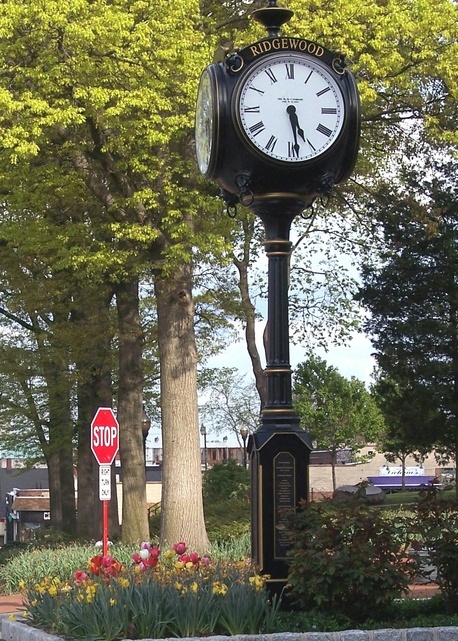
[{"x": 352, "y": 359}]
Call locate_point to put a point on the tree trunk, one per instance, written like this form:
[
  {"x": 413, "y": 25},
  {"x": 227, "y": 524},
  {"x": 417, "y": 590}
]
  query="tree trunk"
[
  {"x": 403, "y": 473},
  {"x": 135, "y": 528},
  {"x": 333, "y": 469},
  {"x": 241, "y": 263},
  {"x": 55, "y": 505},
  {"x": 60, "y": 449},
  {"x": 182, "y": 503}
]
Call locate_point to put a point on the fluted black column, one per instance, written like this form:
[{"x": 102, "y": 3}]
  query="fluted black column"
[{"x": 277, "y": 215}]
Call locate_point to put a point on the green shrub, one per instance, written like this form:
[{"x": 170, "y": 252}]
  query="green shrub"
[
  {"x": 225, "y": 481},
  {"x": 436, "y": 526},
  {"x": 348, "y": 558},
  {"x": 227, "y": 519}
]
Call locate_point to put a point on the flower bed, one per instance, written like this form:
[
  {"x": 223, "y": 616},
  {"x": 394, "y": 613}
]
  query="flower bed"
[{"x": 174, "y": 594}]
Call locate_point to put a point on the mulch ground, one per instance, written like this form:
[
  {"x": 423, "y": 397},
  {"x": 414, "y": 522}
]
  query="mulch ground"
[{"x": 422, "y": 591}]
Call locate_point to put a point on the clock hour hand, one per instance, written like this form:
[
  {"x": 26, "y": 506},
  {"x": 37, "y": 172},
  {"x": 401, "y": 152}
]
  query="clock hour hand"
[{"x": 294, "y": 120}]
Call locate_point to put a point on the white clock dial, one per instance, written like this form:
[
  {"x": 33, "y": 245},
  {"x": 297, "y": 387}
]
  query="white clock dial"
[
  {"x": 205, "y": 117},
  {"x": 290, "y": 108}
]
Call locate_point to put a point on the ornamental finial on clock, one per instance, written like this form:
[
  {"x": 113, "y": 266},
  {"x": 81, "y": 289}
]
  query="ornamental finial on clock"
[{"x": 272, "y": 17}]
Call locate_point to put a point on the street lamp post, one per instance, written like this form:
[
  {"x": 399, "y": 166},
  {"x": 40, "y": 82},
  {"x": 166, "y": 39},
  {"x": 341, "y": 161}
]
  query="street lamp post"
[
  {"x": 244, "y": 435},
  {"x": 146, "y": 424},
  {"x": 203, "y": 431}
]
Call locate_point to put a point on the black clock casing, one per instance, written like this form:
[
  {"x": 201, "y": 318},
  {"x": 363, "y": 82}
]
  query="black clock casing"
[{"x": 284, "y": 116}]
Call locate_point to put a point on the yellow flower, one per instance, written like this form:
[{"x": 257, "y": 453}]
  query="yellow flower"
[
  {"x": 177, "y": 585},
  {"x": 90, "y": 593},
  {"x": 80, "y": 597},
  {"x": 52, "y": 590},
  {"x": 179, "y": 565},
  {"x": 219, "y": 588},
  {"x": 21, "y": 584},
  {"x": 169, "y": 554},
  {"x": 12, "y": 617},
  {"x": 189, "y": 565},
  {"x": 123, "y": 582},
  {"x": 34, "y": 602},
  {"x": 113, "y": 602},
  {"x": 194, "y": 586},
  {"x": 257, "y": 581}
]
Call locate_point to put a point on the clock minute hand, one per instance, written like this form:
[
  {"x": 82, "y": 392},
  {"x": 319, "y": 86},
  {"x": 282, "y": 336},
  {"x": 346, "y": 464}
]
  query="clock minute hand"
[{"x": 294, "y": 120}]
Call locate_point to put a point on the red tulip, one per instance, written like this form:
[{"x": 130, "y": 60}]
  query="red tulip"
[{"x": 180, "y": 547}]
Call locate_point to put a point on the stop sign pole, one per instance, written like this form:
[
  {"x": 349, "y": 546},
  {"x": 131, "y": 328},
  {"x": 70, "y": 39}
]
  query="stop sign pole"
[{"x": 105, "y": 446}]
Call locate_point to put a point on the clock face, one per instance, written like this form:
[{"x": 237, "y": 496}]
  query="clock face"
[
  {"x": 205, "y": 122},
  {"x": 290, "y": 108}
]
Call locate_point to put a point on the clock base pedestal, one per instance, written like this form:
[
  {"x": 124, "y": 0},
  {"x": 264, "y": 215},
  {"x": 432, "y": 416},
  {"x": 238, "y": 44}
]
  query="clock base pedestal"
[{"x": 279, "y": 462}]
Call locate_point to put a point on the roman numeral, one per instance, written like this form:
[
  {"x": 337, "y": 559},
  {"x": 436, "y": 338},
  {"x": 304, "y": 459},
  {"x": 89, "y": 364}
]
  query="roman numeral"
[
  {"x": 271, "y": 75},
  {"x": 291, "y": 150},
  {"x": 323, "y": 91},
  {"x": 289, "y": 71},
  {"x": 324, "y": 130},
  {"x": 310, "y": 145},
  {"x": 251, "y": 110},
  {"x": 308, "y": 78},
  {"x": 257, "y": 128},
  {"x": 328, "y": 110},
  {"x": 270, "y": 146},
  {"x": 258, "y": 90}
]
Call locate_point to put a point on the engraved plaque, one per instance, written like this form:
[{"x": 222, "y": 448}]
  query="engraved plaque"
[{"x": 284, "y": 501}]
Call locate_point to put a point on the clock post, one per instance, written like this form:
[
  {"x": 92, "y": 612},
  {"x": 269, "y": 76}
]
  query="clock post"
[{"x": 277, "y": 126}]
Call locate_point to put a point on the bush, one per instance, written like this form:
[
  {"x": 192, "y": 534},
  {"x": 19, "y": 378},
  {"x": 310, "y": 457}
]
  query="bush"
[
  {"x": 226, "y": 520},
  {"x": 225, "y": 481},
  {"x": 347, "y": 558},
  {"x": 436, "y": 526}
]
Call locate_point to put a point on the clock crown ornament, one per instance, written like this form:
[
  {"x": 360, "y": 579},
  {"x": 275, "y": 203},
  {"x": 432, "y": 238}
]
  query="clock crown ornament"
[{"x": 280, "y": 115}]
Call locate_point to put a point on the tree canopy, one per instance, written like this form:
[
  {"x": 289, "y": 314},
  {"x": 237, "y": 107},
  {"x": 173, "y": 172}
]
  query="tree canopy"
[
  {"x": 412, "y": 298},
  {"x": 338, "y": 412}
]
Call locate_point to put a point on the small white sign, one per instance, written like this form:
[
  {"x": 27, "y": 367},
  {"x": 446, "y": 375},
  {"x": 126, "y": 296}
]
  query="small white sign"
[
  {"x": 412, "y": 470},
  {"x": 105, "y": 482}
]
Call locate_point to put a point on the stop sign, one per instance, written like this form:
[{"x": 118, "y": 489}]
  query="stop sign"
[{"x": 104, "y": 436}]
